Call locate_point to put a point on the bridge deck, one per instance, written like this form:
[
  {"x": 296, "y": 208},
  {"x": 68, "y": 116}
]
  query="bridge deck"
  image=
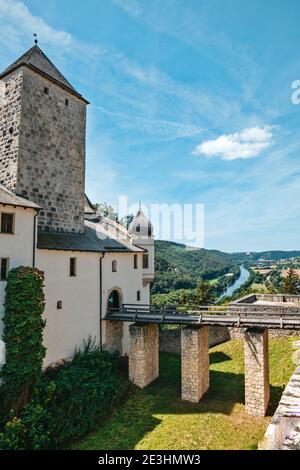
[{"x": 231, "y": 315}]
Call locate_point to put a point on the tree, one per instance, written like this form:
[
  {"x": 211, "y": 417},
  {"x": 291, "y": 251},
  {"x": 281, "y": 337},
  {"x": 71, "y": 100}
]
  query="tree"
[
  {"x": 23, "y": 335},
  {"x": 290, "y": 283},
  {"x": 203, "y": 293}
]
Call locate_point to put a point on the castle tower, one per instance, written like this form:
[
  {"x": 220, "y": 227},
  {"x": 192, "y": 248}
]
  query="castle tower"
[{"x": 42, "y": 140}]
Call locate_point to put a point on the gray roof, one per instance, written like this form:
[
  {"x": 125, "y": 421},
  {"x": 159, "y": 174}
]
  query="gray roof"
[
  {"x": 11, "y": 199},
  {"x": 88, "y": 241},
  {"x": 35, "y": 59}
]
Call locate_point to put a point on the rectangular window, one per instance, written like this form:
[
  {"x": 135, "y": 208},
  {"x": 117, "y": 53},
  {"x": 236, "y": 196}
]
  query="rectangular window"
[
  {"x": 138, "y": 295},
  {"x": 145, "y": 261},
  {"x": 4, "y": 262},
  {"x": 135, "y": 261},
  {"x": 114, "y": 266},
  {"x": 72, "y": 267},
  {"x": 7, "y": 222}
]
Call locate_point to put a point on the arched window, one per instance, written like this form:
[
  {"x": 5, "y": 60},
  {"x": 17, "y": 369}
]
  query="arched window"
[
  {"x": 114, "y": 300},
  {"x": 114, "y": 266}
]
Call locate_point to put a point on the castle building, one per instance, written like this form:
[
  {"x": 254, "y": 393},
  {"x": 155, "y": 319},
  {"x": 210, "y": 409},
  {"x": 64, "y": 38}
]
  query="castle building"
[{"x": 47, "y": 221}]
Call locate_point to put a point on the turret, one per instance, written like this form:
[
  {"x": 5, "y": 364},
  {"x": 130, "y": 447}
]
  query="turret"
[{"x": 141, "y": 231}]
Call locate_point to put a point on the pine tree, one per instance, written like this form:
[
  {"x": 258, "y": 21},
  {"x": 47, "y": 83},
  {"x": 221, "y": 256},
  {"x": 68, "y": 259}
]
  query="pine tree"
[
  {"x": 291, "y": 283},
  {"x": 203, "y": 293}
]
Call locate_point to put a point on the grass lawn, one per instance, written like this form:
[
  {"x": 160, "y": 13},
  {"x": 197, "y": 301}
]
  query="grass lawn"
[{"x": 156, "y": 418}]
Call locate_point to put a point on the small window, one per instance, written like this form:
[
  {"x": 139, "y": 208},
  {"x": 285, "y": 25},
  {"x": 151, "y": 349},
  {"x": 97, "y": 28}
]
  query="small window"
[
  {"x": 145, "y": 261},
  {"x": 72, "y": 267},
  {"x": 138, "y": 295},
  {"x": 46, "y": 90},
  {"x": 7, "y": 222},
  {"x": 59, "y": 304},
  {"x": 114, "y": 266},
  {"x": 135, "y": 261},
  {"x": 66, "y": 102},
  {"x": 4, "y": 268}
]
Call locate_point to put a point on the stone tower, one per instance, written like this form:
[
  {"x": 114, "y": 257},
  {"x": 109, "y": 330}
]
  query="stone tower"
[{"x": 42, "y": 140}]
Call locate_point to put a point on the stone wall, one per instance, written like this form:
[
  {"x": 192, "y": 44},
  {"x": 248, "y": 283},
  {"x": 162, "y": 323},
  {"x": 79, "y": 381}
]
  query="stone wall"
[
  {"x": 256, "y": 357},
  {"x": 170, "y": 339},
  {"x": 10, "y": 114},
  {"x": 45, "y": 162},
  {"x": 194, "y": 363}
]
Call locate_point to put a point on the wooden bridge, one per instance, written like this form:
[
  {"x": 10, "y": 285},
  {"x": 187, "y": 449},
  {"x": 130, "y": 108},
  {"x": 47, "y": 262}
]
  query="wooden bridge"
[
  {"x": 255, "y": 314},
  {"x": 233, "y": 315}
]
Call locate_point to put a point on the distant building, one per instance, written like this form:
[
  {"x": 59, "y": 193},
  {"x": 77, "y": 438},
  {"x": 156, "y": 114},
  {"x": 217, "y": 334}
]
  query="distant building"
[{"x": 47, "y": 221}]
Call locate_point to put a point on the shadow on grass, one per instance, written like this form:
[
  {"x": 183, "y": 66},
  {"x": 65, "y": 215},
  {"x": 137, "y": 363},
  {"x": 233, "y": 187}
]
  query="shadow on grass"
[{"x": 140, "y": 413}]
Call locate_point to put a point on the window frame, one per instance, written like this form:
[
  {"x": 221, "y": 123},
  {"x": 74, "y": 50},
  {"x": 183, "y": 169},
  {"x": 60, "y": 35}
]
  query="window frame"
[
  {"x": 7, "y": 268},
  {"x": 13, "y": 222},
  {"x": 114, "y": 266},
  {"x": 73, "y": 267},
  {"x": 146, "y": 264}
]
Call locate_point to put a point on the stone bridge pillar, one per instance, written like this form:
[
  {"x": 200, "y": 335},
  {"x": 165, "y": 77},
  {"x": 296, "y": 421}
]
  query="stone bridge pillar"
[
  {"x": 143, "y": 355},
  {"x": 194, "y": 363},
  {"x": 113, "y": 336},
  {"x": 256, "y": 356}
]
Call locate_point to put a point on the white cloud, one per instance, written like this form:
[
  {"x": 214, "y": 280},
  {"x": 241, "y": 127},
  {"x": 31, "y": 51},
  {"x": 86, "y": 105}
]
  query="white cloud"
[
  {"x": 18, "y": 14},
  {"x": 248, "y": 143}
]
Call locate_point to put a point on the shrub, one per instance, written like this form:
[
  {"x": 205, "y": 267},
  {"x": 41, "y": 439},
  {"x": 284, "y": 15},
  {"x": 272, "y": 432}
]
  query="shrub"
[{"x": 69, "y": 401}]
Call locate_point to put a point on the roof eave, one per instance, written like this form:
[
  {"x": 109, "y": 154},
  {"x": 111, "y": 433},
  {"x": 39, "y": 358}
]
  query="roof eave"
[{"x": 53, "y": 80}]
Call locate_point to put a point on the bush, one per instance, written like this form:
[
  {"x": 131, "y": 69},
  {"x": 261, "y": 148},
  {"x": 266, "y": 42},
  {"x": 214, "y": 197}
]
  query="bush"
[{"x": 69, "y": 401}]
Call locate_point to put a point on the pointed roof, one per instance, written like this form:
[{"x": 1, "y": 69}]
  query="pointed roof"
[
  {"x": 35, "y": 59},
  {"x": 140, "y": 225}
]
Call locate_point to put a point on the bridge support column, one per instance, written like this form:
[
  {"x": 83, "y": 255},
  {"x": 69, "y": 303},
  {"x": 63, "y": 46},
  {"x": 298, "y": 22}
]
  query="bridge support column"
[
  {"x": 113, "y": 336},
  {"x": 194, "y": 363},
  {"x": 256, "y": 356},
  {"x": 143, "y": 355}
]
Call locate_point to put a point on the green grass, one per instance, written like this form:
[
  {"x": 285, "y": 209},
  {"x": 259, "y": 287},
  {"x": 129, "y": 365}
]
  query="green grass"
[{"x": 156, "y": 418}]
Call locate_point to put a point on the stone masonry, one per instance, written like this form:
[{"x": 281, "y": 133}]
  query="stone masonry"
[
  {"x": 194, "y": 363},
  {"x": 143, "y": 355},
  {"x": 113, "y": 336},
  {"x": 256, "y": 356},
  {"x": 42, "y": 147}
]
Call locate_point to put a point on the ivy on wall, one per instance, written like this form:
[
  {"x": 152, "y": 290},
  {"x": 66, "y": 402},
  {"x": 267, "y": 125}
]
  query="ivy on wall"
[{"x": 23, "y": 335}]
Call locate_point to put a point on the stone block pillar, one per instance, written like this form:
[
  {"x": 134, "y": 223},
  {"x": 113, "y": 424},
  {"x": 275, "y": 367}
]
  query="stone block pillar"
[
  {"x": 113, "y": 336},
  {"x": 256, "y": 356},
  {"x": 143, "y": 354},
  {"x": 194, "y": 363}
]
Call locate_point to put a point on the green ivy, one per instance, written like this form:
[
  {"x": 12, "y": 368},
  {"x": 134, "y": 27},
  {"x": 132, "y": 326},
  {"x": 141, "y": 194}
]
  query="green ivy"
[{"x": 23, "y": 335}]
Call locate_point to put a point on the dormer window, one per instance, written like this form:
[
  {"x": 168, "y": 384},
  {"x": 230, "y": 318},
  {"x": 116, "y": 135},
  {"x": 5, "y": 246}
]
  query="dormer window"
[
  {"x": 7, "y": 222},
  {"x": 114, "y": 266}
]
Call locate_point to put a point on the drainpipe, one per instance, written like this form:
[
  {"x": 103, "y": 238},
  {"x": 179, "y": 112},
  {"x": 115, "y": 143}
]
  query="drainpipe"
[
  {"x": 34, "y": 239},
  {"x": 100, "y": 270}
]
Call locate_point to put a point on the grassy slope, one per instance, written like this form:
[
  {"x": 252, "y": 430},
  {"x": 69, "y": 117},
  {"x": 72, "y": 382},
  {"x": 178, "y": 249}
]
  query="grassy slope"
[{"x": 156, "y": 418}]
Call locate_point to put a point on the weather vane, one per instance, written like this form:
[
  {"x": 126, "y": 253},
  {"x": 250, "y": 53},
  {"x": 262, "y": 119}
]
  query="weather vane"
[{"x": 35, "y": 38}]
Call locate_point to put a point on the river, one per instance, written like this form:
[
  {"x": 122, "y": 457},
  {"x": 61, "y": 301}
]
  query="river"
[{"x": 243, "y": 277}]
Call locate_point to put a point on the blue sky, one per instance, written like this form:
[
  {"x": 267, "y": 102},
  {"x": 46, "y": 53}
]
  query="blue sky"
[{"x": 190, "y": 103}]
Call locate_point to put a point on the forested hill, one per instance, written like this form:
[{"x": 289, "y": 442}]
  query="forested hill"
[
  {"x": 178, "y": 266},
  {"x": 263, "y": 255}
]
